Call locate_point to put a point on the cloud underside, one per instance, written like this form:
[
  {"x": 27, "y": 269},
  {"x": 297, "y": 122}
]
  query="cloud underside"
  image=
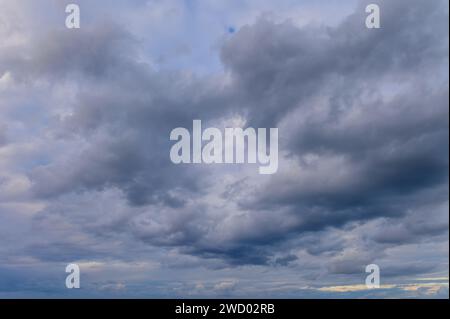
[{"x": 363, "y": 169}]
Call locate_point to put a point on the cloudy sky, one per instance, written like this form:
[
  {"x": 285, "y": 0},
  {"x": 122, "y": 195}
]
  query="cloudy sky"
[{"x": 86, "y": 178}]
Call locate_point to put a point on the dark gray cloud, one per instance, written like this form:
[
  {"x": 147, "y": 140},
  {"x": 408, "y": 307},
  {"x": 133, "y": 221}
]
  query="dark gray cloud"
[
  {"x": 3, "y": 139},
  {"x": 280, "y": 67},
  {"x": 124, "y": 123},
  {"x": 324, "y": 88},
  {"x": 363, "y": 175},
  {"x": 375, "y": 152}
]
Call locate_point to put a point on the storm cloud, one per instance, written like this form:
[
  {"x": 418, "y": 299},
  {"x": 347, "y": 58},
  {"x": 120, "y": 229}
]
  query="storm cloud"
[{"x": 85, "y": 173}]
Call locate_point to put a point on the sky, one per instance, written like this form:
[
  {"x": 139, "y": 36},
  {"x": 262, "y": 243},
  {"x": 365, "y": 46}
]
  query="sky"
[{"x": 86, "y": 178}]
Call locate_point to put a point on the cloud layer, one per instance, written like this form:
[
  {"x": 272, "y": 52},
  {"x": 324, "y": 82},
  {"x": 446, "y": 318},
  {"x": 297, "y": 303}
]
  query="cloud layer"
[{"x": 85, "y": 173}]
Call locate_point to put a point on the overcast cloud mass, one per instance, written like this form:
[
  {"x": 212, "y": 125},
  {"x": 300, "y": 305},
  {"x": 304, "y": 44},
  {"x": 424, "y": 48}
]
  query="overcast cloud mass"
[{"x": 86, "y": 178}]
